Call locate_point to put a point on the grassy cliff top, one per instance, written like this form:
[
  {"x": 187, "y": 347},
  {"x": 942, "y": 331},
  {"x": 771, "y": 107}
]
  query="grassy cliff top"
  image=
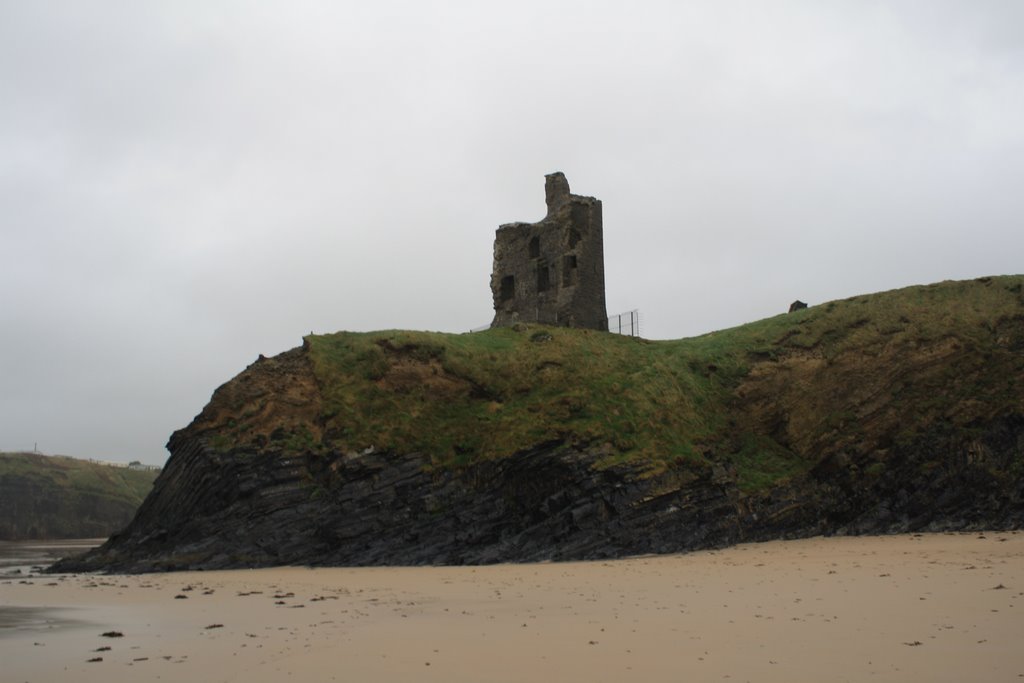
[
  {"x": 60, "y": 473},
  {"x": 766, "y": 397}
]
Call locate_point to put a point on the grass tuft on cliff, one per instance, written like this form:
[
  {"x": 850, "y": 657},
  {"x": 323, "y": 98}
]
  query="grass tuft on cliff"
[{"x": 762, "y": 400}]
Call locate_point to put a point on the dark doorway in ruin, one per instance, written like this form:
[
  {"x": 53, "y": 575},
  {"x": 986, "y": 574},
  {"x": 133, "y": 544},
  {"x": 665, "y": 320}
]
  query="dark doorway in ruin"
[
  {"x": 508, "y": 287},
  {"x": 535, "y": 247},
  {"x": 569, "y": 270},
  {"x": 543, "y": 278}
]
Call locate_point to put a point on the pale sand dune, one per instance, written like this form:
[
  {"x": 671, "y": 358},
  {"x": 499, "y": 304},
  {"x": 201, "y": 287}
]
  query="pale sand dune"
[{"x": 900, "y": 608}]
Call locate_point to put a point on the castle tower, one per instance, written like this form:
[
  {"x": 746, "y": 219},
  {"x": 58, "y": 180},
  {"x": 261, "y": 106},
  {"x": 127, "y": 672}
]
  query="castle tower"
[{"x": 552, "y": 272}]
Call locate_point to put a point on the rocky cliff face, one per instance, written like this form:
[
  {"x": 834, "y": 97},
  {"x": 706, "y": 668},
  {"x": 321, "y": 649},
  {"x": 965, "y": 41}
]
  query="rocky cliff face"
[{"x": 897, "y": 412}]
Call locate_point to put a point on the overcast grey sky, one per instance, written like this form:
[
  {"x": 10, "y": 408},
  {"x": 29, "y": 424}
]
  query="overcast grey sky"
[{"x": 185, "y": 185}]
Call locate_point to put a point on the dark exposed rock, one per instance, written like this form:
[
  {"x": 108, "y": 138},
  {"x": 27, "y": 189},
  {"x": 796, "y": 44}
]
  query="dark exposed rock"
[
  {"x": 548, "y": 503},
  {"x": 797, "y": 305}
]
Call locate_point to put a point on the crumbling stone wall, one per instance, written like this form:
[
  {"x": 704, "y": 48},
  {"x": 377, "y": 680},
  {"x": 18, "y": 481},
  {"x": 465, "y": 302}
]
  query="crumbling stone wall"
[{"x": 552, "y": 272}]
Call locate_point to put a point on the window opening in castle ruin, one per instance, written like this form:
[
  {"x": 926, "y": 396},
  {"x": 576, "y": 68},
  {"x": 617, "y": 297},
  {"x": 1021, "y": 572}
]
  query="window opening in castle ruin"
[
  {"x": 535, "y": 247},
  {"x": 508, "y": 287},
  {"x": 543, "y": 278},
  {"x": 569, "y": 270},
  {"x": 574, "y": 238}
]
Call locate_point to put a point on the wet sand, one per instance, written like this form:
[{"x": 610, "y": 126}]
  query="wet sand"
[{"x": 942, "y": 607}]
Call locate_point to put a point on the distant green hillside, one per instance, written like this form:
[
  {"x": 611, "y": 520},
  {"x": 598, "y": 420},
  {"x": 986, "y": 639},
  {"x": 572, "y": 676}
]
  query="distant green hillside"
[{"x": 45, "y": 496}]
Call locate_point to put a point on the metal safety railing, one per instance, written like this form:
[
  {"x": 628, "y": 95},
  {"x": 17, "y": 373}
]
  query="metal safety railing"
[{"x": 627, "y": 323}]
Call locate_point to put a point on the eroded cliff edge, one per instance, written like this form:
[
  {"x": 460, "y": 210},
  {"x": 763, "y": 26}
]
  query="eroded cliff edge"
[{"x": 896, "y": 411}]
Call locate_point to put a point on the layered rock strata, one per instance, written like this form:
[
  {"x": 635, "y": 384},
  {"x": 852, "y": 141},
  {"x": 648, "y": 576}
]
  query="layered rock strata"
[{"x": 893, "y": 426}]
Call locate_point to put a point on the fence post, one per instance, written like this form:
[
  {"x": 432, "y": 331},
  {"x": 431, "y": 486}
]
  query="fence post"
[{"x": 633, "y": 326}]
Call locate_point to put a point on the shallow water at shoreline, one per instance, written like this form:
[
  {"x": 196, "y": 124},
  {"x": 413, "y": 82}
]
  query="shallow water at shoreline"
[
  {"x": 40, "y": 620},
  {"x": 20, "y": 558}
]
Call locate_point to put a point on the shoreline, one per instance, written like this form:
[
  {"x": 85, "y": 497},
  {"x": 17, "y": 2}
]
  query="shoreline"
[
  {"x": 28, "y": 555},
  {"x": 947, "y": 606}
]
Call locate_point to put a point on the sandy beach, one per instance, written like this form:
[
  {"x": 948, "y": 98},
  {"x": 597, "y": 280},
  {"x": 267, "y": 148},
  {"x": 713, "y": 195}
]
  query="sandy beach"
[{"x": 935, "y": 607}]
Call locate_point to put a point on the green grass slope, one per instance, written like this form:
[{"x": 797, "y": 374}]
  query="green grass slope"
[
  {"x": 766, "y": 401},
  {"x": 60, "y": 497}
]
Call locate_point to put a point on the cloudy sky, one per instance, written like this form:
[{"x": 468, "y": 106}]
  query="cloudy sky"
[{"x": 185, "y": 185}]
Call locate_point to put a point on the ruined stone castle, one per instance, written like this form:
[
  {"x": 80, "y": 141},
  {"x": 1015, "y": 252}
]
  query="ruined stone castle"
[{"x": 552, "y": 272}]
